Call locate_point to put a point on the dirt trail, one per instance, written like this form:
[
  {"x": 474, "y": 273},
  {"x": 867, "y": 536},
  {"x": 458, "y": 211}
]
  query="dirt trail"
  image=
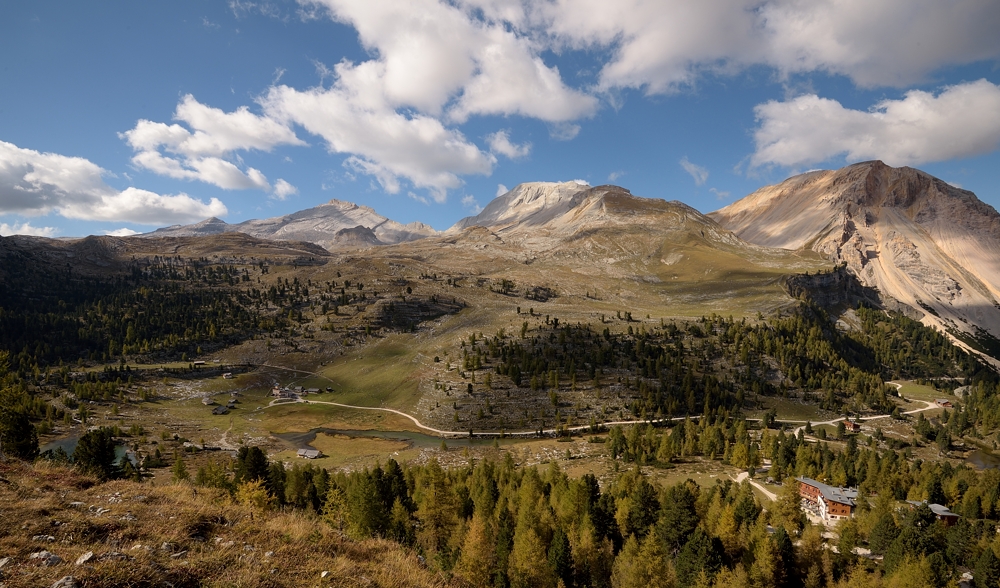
[{"x": 445, "y": 433}]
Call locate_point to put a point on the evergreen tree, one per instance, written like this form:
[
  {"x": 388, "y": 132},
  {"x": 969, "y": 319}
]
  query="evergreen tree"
[
  {"x": 18, "y": 438},
  {"x": 528, "y": 567},
  {"x": 366, "y": 514},
  {"x": 883, "y": 534},
  {"x": 678, "y": 517},
  {"x": 179, "y": 471},
  {"x": 95, "y": 454},
  {"x": 987, "y": 571},
  {"x": 560, "y": 557},
  {"x": 251, "y": 464},
  {"x": 701, "y": 553},
  {"x": 477, "y": 562}
]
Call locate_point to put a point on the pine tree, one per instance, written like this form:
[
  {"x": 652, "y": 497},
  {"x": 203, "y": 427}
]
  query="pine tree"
[
  {"x": 883, "y": 534},
  {"x": 18, "y": 438},
  {"x": 179, "y": 471},
  {"x": 528, "y": 567},
  {"x": 560, "y": 557},
  {"x": 478, "y": 559},
  {"x": 786, "y": 510},
  {"x": 987, "y": 571},
  {"x": 95, "y": 454}
]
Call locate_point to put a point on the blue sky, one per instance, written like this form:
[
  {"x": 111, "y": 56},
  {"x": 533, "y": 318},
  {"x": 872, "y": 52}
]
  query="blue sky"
[{"x": 125, "y": 116}]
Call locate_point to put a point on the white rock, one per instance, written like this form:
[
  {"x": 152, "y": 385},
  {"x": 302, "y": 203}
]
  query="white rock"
[
  {"x": 46, "y": 558},
  {"x": 66, "y": 582},
  {"x": 85, "y": 558}
]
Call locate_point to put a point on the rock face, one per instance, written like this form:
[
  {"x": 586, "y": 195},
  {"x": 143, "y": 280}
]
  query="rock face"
[
  {"x": 914, "y": 238},
  {"x": 358, "y": 237},
  {"x": 319, "y": 225}
]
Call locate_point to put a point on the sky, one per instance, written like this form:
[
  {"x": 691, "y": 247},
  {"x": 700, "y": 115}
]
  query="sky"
[{"x": 118, "y": 117}]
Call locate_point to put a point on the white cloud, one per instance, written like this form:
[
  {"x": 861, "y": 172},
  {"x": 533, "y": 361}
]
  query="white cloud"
[
  {"x": 501, "y": 190},
  {"x": 353, "y": 116},
  {"x": 470, "y": 203},
  {"x": 35, "y": 183},
  {"x": 613, "y": 176},
  {"x": 443, "y": 60},
  {"x": 960, "y": 121},
  {"x": 200, "y": 153},
  {"x": 283, "y": 190},
  {"x": 122, "y": 232},
  {"x": 25, "y": 228},
  {"x": 697, "y": 172},
  {"x": 663, "y": 45},
  {"x": 419, "y": 198},
  {"x": 719, "y": 194},
  {"x": 564, "y": 132},
  {"x": 499, "y": 142}
]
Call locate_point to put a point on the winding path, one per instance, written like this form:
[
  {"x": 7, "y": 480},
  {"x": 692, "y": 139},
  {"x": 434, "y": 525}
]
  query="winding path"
[
  {"x": 445, "y": 433},
  {"x": 929, "y": 406}
]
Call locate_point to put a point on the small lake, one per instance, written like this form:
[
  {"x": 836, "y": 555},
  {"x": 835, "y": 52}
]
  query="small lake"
[
  {"x": 983, "y": 460},
  {"x": 68, "y": 444},
  {"x": 299, "y": 440}
]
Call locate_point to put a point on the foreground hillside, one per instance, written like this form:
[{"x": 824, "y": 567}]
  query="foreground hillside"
[{"x": 124, "y": 533}]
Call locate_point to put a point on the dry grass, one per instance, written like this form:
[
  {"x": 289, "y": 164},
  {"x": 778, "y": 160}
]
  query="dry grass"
[{"x": 172, "y": 535}]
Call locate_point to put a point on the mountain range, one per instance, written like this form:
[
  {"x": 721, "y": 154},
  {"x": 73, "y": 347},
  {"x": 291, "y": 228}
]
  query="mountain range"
[
  {"x": 333, "y": 225},
  {"x": 914, "y": 242}
]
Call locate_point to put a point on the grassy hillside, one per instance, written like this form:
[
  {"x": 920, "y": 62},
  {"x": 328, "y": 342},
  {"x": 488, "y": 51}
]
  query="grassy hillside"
[{"x": 144, "y": 535}]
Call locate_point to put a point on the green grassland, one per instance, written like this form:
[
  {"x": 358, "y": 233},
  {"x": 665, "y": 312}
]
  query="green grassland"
[{"x": 916, "y": 391}]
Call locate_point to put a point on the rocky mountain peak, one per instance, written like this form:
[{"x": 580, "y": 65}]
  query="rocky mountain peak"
[{"x": 916, "y": 239}]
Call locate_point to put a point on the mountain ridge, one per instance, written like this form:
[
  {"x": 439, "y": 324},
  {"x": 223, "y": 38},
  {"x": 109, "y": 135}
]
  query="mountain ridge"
[
  {"x": 319, "y": 225},
  {"x": 913, "y": 237}
]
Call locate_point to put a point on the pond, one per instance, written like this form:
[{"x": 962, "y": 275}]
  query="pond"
[
  {"x": 299, "y": 440},
  {"x": 69, "y": 443},
  {"x": 983, "y": 460}
]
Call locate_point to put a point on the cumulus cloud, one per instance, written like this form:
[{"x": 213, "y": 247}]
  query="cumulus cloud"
[
  {"x": 697, "y": 172},
  {"x": 283, "y": 190},
  {"x": 959, "y": 121},
  {"x": 470, "y": 203},
  {"x": 122, "y": 232},
  {"x": 501, "y": 190},
  {"x": 355, "y": 116},
  {"x": 200, "y": 151},
  {"x": 661, "y": 46},
  {"x": 499, "y": 142},
  {"x": 439, "y": 59},
  {"x": 25, "y": 228},
  {"x": 35, "y": 183}
]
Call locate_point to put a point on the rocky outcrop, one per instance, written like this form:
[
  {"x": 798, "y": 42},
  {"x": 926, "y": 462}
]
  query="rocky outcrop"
[
  {"x": 358, "y": 237},
  {"x": 915, "y": 239},
  {"x": 840, "y": 289}
]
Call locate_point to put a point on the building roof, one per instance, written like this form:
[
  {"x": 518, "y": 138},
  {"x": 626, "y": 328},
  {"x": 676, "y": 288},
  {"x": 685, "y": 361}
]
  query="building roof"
[
  {"x": 832, "y": 493},
  {"x": 309, "y": 453},
  {"x": 220, "y": 410},
  {"x": 938, "y": 509}
]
